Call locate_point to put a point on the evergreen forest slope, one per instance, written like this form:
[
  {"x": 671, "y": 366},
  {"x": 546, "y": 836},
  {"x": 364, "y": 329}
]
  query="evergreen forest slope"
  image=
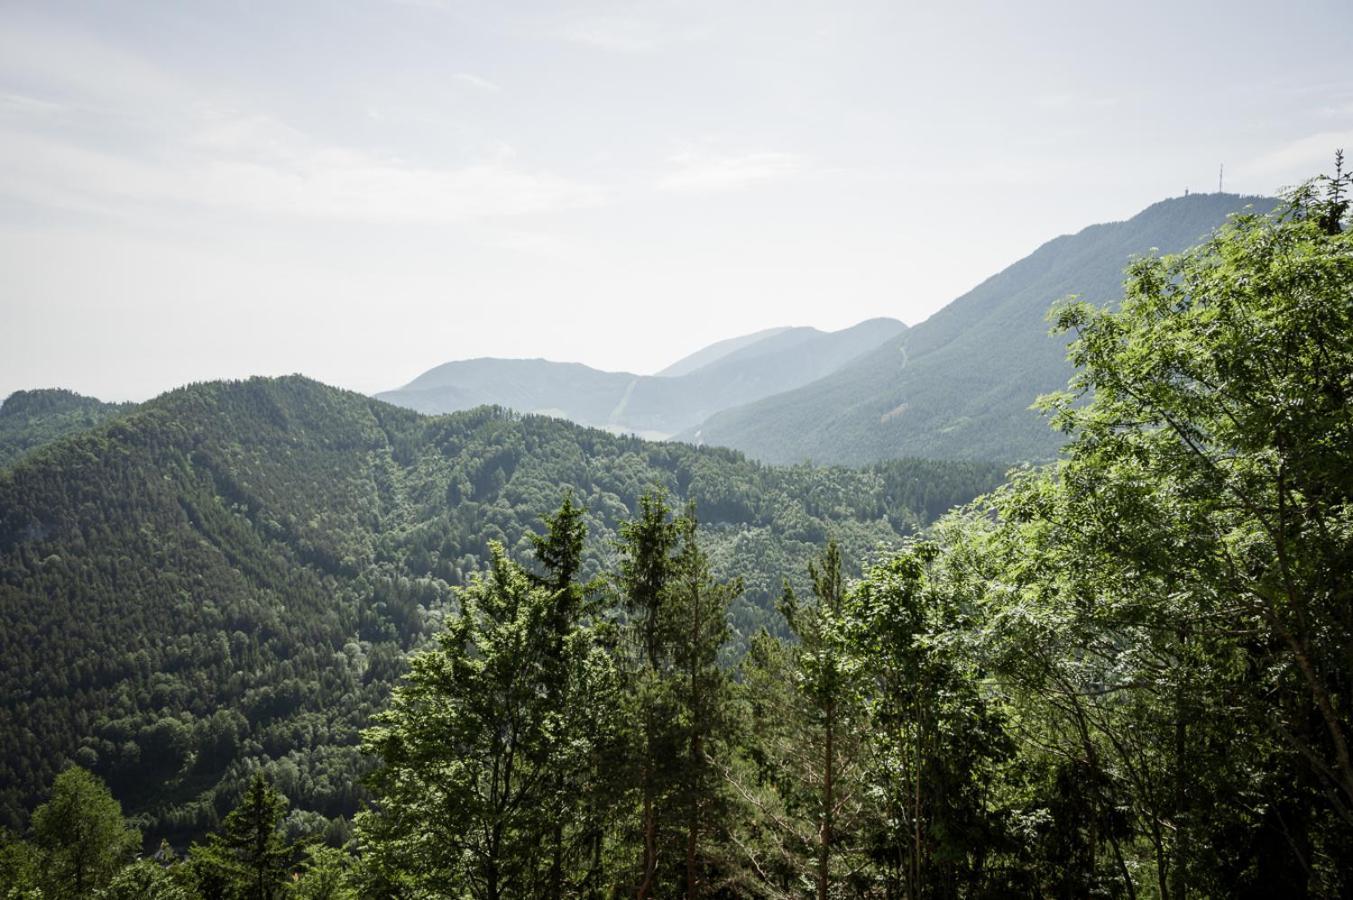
[
  {"x": 31, "y": 419},
  {"x": 228, "y": 577},
  {"x": 959, "y": 385}
]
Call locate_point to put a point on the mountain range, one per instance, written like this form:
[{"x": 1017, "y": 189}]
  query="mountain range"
[
  {"x": 735, "y": 371},
  {"x": 958, "y": 385}
]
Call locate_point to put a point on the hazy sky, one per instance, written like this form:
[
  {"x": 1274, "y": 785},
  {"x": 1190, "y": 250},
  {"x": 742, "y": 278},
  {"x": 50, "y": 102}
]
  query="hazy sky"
[{"x": 361, "y": 190}]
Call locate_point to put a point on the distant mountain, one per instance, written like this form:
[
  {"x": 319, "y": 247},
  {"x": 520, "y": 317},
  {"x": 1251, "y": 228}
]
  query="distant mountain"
[
  {"x": 32, "y": 419},
  {"x": 228, "y": 577},
  {"x": 717, "y": 351},
  {"x": 654, "y": 406},
  {"x": 959, "y": 385}
]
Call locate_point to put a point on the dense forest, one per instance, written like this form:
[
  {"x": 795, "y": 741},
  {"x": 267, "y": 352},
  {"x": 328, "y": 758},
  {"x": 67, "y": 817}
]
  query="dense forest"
[
  {"x": 1125, "y": 673},
  {"x": 229, "y": 577},
  {"x": 31, "y": 419}
]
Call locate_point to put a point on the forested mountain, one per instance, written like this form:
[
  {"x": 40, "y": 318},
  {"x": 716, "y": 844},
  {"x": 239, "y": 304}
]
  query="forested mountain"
[
  {"x": 30, "y": 419},
  {"x": 228, "y": 577},
  {"x": 651, "y": 405},
  {"x": 959, "y": 385}
]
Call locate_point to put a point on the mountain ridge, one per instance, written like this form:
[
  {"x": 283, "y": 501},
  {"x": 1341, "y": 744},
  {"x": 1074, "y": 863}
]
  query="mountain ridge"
[
  {"x": 228, "y": 577},
  {"x": 30, "y": 419},
  {"x": 716, "y": 351},
  {"x": 655, "y": 406},
  {"x": 959, "y": 384}
]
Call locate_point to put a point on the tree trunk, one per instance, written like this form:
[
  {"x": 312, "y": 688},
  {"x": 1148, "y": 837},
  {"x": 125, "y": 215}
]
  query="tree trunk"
[
  {"x": 557, "y": 862},
  {"x": 825, "y": 827},
  {"x": 650, "y": 841},
  {"x": 1179, "y": 890}
]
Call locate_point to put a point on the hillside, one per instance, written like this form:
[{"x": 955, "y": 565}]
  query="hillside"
[
  {"x": 31, "y": 419},
  {"x": 959, "y": 385},
  {"x": 656, "y": 406},
  {"x": 228, "y": 576}
]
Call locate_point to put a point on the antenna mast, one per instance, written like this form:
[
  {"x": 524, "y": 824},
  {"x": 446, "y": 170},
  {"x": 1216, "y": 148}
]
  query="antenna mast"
[{"x": 1221, "y": 173}]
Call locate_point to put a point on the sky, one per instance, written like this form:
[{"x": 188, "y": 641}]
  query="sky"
[{"x": 361, "y": 190}]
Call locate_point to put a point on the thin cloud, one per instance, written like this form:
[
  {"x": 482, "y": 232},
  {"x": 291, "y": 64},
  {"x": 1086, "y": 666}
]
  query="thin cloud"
[
  {"x": 297, "y": 179},
  {"x": 639, "y": 29},
  {"x": 475, "y": 81},
  {"x": 702, "y": 172},
  {"x": 1074, "y": 101},
  {"x": 207, "y": 153},
  {"x": 1299, "y": 158},
  {"x": 614, "y": 33},
  {"x": 540, "y": 244},
  {"x": 24, "y": 104},
  {"x": 105, "y": 76}
]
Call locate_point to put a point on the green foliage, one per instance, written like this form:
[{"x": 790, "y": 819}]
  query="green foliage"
[
  {"x": 326, "y": 874},
  {"x": 147, "y": 879},
  {"x": 935, "y": 742},
  {"x": 1210, "y": 485},
  {"x": 466, "y": 747},
  {"x": 81, "y": 836},
  {"x": 249, "y": 858},
  {"x": 701, "y": 688},
  {"x": 32, "y": 419},
  {"x": 800, "y": 776},
  {"x": 229, "y": 577},
  {"x": 20, "y": 868}
]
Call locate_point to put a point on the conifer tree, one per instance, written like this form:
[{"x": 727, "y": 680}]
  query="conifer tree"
[
  {"x": 249, "y": 858},
  {"x": 646, "y": 568},
  {"x": 699, "y": 613},
  {"x": 559, "y": 552},
  {"x": 583, "y": 684}
]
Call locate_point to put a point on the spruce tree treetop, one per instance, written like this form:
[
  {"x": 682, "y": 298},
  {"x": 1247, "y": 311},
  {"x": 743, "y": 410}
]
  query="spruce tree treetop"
[{"x": 250, "y": 857}]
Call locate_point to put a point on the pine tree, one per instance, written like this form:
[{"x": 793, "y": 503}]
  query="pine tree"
[
  {"x": 699, "y": 613},
  {"x": 646, "y": 568},
  {"x": 582, "y": 687},
  {"x": 249, "y": 858}
]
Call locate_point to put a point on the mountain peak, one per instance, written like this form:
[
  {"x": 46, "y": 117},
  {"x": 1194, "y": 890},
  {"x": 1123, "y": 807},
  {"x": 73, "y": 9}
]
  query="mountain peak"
[{"x": 43, "y": 400}]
